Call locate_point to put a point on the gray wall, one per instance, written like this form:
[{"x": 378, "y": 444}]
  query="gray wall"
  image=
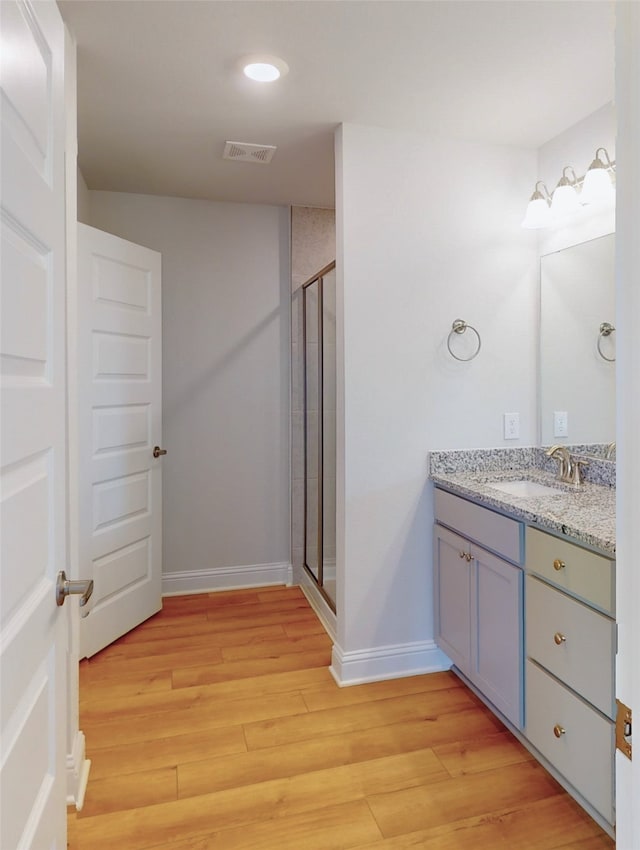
[{"x": 226, "y": 339}]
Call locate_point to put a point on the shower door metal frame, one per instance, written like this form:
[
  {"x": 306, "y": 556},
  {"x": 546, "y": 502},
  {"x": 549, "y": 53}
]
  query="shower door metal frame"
[{"x": 319, "y": 279}]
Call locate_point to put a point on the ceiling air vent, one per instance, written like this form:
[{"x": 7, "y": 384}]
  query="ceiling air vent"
[{"x": 243, "y": 152}]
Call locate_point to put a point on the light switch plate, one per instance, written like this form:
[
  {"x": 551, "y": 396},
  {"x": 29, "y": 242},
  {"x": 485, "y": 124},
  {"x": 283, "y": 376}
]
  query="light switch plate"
[
  {"x": 560, "y": 423},
  {"x": 511, "y": 423}
]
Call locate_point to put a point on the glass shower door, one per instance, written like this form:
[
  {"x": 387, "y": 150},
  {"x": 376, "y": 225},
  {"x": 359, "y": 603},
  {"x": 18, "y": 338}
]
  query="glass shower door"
[{"x": 319, "y": 347}]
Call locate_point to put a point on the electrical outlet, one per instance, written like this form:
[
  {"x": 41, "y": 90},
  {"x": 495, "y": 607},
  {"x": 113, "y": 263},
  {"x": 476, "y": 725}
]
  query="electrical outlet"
[
  {"x": 560, "y": 423},
  {"x": 511, "y": 423}
]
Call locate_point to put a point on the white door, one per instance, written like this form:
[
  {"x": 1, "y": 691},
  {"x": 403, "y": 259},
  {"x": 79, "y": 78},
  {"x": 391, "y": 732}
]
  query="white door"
[
  {"x": 33, "y": 629},
  {"x": 119, "y": 424}
]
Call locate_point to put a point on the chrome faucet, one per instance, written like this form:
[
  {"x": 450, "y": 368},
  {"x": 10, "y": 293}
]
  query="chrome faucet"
[
  {"x": 569, "y": 468},
  {"x": 610, "y": 453}
]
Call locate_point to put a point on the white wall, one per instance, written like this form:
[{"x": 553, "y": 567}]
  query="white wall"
[
  {"x": 226, "y": 338},
  {"x": 428, "y": 231}
]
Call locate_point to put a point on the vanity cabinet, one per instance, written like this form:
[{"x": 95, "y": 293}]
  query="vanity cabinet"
[
  {"x": 479, "y": 599},
  {"x": 570, "y": 643}
]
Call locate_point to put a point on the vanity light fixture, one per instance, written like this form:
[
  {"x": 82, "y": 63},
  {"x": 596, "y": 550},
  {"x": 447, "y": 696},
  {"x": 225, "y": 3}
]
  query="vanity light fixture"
[
  {"x": 564, "y": 200},
  {"x": 571, "y": 193},
  {"x": 598, "y": 181},
  {"x": 264, "y": 68},
  {"x": 538, "y": 212}
]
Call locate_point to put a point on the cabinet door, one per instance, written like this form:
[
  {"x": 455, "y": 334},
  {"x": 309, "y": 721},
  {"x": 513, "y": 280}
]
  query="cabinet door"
[
  {"x": 497, "y": 639},
  {"x": 452, "y": 577}
]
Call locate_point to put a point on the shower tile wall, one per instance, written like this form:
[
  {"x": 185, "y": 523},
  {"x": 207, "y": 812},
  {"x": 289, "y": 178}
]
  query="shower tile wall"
[{"x": 313, "y": 246}]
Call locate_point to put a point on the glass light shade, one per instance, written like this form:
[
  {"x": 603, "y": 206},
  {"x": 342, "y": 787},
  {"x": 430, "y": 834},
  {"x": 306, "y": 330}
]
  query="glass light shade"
[
  {"x": 597, "y": 187},
  {"x": 538, "y": 214},
  {"x": 262, "y": 72},
  {"x": 564, "y": 201},
  {"x": 264, "y": 68}
]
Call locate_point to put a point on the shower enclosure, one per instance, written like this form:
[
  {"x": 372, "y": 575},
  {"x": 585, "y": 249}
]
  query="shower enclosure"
[{"x": 319, "y": 396}]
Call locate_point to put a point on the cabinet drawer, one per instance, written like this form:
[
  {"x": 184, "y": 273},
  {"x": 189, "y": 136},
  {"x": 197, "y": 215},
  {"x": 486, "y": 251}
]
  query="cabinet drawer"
[
  {"x": 494, "y": 531},
  {"x": 585, "y": 658},
  {"x": 583, "y": 754},
  {"x": 579, "y": 571}
]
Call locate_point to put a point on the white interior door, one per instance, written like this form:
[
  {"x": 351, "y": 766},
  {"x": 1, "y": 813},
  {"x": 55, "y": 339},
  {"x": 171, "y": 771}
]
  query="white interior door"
[
  {"x": 33, "y": 629},
  {"x": 119, "y": 413}
]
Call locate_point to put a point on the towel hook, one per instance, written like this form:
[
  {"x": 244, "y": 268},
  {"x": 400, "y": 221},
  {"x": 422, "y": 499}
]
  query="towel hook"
[
  {"x": 459, "y": 326},
  {"x": 606, "y": 329}
]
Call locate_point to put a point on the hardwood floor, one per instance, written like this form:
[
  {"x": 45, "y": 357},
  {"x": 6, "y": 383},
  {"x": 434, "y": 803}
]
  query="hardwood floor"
[{"x": 216, "y": 725}]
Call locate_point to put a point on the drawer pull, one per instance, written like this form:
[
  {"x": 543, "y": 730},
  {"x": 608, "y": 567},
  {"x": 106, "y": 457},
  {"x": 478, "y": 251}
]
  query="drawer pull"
[
  {"x": 558, "y": 730},
  {"x": 558, "y": 565},
  {"x": 559, "y": 638}
]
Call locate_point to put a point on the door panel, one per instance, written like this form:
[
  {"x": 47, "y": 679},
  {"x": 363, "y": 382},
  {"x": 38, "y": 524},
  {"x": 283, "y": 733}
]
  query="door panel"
[
  {"x": 119, "y": 400},
  {"x": 32, "y": 449}
]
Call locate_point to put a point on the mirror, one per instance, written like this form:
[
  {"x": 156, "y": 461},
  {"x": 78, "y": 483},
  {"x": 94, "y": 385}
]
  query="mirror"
[{"x": 578, "y": 346}]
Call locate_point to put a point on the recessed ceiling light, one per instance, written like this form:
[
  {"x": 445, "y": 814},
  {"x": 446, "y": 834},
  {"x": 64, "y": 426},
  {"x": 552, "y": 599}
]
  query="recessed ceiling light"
[{"x": 264, "y": 69}]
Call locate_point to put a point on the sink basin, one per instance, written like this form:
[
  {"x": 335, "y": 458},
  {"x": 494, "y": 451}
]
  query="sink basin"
[{"x": 524, "y": 487}]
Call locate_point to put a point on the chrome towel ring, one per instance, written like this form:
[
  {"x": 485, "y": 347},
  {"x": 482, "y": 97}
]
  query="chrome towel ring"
[
  {"x": 606, "y": 329},
  {"x": 459, "y": 326}
]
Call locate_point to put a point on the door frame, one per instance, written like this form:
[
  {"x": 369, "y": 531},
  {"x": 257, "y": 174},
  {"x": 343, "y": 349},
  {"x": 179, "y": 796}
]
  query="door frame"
[
  {"x": 77, "y": 763},
  {"x": 627, "y": 52}
]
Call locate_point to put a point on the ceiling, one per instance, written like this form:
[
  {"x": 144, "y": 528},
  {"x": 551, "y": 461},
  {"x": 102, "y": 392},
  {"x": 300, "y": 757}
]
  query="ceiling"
[{"x": 160, "y": 88}]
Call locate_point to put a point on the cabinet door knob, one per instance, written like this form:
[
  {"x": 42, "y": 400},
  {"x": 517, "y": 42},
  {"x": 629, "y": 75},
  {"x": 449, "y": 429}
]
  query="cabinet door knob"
[
  {"x": 469, "y": 557},
  {"x": 461, "y": 554},
  {"x": 558, "y": 730},
  {"x": 559, "y": 638},
  {"x": 558, "y": 564}
]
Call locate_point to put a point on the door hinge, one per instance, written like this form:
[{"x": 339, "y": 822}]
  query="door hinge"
[{"x": 623, "y": 729}]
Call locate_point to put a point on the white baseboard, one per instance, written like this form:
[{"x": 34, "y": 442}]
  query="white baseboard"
[
  {"x": 77, "y": 772},
  {"x": 226, "y": 578},
  {"x": 387, "y": 662}
]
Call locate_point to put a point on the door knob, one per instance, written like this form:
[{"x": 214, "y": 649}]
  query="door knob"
[
  {"x": 157, "y": 451},
  {"x": 65, "y": 587}
]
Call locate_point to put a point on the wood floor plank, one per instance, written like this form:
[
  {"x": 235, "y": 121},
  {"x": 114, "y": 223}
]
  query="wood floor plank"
[
  {"x": 131, "y": 791},
  {"x": 169, "y": 644},
  {"x": 95, "y": 710},
  {"x": 94, "y": 683},
  {"x": 206, "y": 714},
  {"x": 147, "y": 664},
  {"x": 238, "y": 613},
  {"x": 285, "y": 593},
  {"x": 267, "y": 753},
  {"x": 280, "y": 798},
  {"x": 538, "y": 825},
  {"x": 359, "y": 716},
  {"x": 250, "y": 668},
  {"x": 276, "y": 648},
  {"x": 118, "y": 759},
  {"x": 341, "y": 783},
  {"x": 332, "y": 828},
  {"x": 486, "y": 753},
  {"x": 214, "y": 774},
  {"x": 220, "y": 814},
  {"x": 461, "y": 797},
  {"x": 309, "y": 626},
  {"x": 329, "y": 696}
]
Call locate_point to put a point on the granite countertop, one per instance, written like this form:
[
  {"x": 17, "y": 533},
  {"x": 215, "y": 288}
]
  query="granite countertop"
[{"x": 586, "y": 513}]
